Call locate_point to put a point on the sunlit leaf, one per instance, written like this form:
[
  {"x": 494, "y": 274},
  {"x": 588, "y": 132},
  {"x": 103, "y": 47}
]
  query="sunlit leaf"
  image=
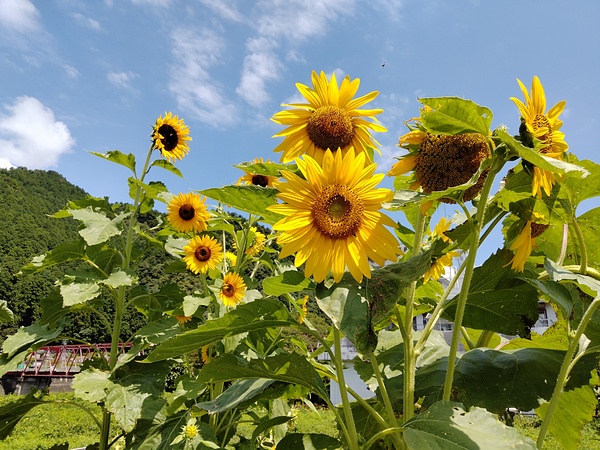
[
  {"x": 6, "y": 315},
  {"x": 66, "y": 252},
  {"x": 25, "y": 337},
  {"x": 252, "y": 199},
  {"x": 75, "y": 293},
  {"x": 91, "y": 384},
  {"x": 453, "y": 115},
  {"x": 286, "y": 283},
  {"x": 238, "y": 392},
  {"x": 449, "y": 426},
  {"x": 163, "y": 163},
  {"x": 98, "y": 227},
  {"x": 120, "y": 158},
  {"x": 117, "y": 279}
]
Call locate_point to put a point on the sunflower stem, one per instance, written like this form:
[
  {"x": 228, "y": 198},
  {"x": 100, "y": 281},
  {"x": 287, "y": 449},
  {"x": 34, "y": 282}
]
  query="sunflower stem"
[
  {"x": 352, "y": 436},
  {"x": 581, "y": 240},
  {"x": 563, "y": 375},
  {"x": 497, "y": 165},
  {"x": 563, "y": 248},
  {"x": 410, "y": 355},
  {"x": 384, "y": 394}
]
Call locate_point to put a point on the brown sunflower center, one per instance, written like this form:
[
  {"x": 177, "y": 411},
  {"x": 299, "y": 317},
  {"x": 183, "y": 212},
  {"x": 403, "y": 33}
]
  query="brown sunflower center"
[
  {"x": 338, "y": 212},
  {"x": 202, "y": 253},
  {"x": 228, "y": 290},
  {"x": 446, "y": 161},
  {"x": 541, "y": 121},
  {"x": 260, "y": 180},
  {"x": 169, "y": 137},
  {"x": 187, "y": 212},
  {"x": 330, "y": 127},
  {"x": 537, "y": 229}
]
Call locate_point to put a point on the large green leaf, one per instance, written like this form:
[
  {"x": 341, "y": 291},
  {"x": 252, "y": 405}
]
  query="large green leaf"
[
  {"x": 91, "y": 384},
  {"x": 448, "y": 426},
  {"x": 252, "y": 199},
  {"x": 587, "y": 284},
  {"x": 25, "y": 337},
  {"x": 240, "y": 391},
  {"x": 263, "y": 313},
  {"x": 582, "y": 190},
  {"x": 75, "y": 293},
  {"x": 12, "y": 413},
  {"x": 120, "y": 158},
  {"x": 287, "y": 367},
  {"x": 163, "y": 163},
  {"x": 575, "y": 409},
  {"x": 310, "y": 441},
  {"x": 286, "y": 283},
  {"x": 98, "y": 228},
  {"x": 66, "y": 252},
  {"x": 453, "y": 115},
  {"x": 6, "y": 315},
  {"x": 497, "y": 300}
]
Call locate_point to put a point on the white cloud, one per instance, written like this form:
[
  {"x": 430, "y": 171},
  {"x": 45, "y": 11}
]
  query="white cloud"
[
  {"x": 18, "y": 15},
  {"x": 121, "y": 79},
  {"x": 281, "y": 21},
  {"x": 161, "y": 3},
  {"x": 5, "y": 164},
  {"x": 30, "y": 135},
  {"x": 71, "y": 71},
  {"x": 87, "y": 21},
  {"x": 196, "y": 92},
  {"x": 226, "y": 9}
]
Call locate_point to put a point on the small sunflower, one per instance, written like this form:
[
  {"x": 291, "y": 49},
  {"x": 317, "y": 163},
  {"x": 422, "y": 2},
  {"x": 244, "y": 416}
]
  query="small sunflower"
[
  {"x": 545, "y": 126},
  {"x": 182, "y": 320},
  {"x": 438, "y": 266},
  {"x": 233, "y": 289},
  {"x": 330, "y": 120},
  {"x": 187, "y": 212},
  {"x": 332, "y": 219},
  {"x": 257, "y": 179},
  {"x": 205, "y": 354},
  {"x": 231, "y": 258},
  {"x": 170, "y": 135},
  {"x": 303, "y": 309},
  {"x": 257, "y": 244},
  {"x": 190, "y": 430},
  {"x": 202, "y": 253},
  {"x": 443, "y": 161},
  {"x": 524, "y": 243}
]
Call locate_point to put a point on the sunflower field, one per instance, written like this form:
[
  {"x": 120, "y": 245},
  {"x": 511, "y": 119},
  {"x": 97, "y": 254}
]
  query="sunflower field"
[{"x": 318, "y": 229}]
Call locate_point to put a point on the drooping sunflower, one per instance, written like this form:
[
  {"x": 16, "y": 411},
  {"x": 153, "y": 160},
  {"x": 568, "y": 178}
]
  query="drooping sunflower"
[
  {"x": 332, "y": 219},
  {"x": 331, "y": 120},
  {"x": 524, "y": 244},
  {"x": 257, "y": 179},
  {"x": 545, "y": 126},
  {"x": 170, "y": 135},
  {"x": 202, "y": 253},
  {"x": 443, "y": 161},
  {"x": 233, "y": 289},
  {"x": 438, "y": 265},
  {"x": 187, "y": 212}
]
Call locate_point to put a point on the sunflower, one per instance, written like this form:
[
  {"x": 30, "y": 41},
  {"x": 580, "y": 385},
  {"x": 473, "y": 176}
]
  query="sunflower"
[
  {"x": 231, "y": 258},
  {"x": 257, "y": 244},
  {"x": 524, "y": 243},
  {"x": 187, "y": 212},
  {"x": 545, "y": 126},
  {"x": 443, "y": 161},
  {"x": 438, "y": 265},
  {"x": 170, "y": 135},
  {"x": 202, "y": 253},
  {"x": 205, "y": 354},
  {"x": 182, "y": 320},
  {"x": 190, "y": 430},
  {"x": 233, "y": 289},
  {"x": 330, "y": 120},
  {"x": 257, "y": 179},
  {"x": 332, "y": 216}
]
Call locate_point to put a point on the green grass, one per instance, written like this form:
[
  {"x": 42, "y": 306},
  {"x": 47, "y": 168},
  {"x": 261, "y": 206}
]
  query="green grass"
[{"x": 530, "y": 427}]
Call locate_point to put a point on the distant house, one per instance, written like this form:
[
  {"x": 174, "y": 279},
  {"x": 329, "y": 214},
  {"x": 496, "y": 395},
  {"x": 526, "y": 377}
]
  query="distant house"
[{"x": 547, "y": 317}]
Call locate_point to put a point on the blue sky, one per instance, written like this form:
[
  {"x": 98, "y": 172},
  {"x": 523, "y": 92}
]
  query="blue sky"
[{"x": 93, "y": 76}]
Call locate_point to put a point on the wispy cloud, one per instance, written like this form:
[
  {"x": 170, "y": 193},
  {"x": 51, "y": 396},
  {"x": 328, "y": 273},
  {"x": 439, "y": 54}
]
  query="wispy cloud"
[
  {"x": 31, "y": 136},
  {"x": 87, "y": 22},
  {"x": 19, "y": 15},
  {"x": 225, "y": 9},
  {"x": 155, "y": 3},
  {"x": 197, "y": 93},
  {"x": 121, "y": 79},
  {"x": 71, "y": 71},
  {"x": 283, "y": 23}
]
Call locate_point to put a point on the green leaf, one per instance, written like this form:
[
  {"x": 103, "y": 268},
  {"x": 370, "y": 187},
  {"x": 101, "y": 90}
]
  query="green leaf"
[
  {"x": 238, "y": 392},
  {"x": 12, "y": 413},
  {"x": 448, "y": 426},
  {"x": 264, "y": 426},
  {"x": 91, "y": 384},
  {"x": 575, "y": 409},
  {"x": 66, "y": 252},
  {"x": 580, "y": 191},
  {"x": 252, "y": 199},
  {"x": 309, "y": 441},
  {"x": 286, "y": 283},
  {"x": 25, "y": 337},
  {"x": 6, "y": 315},
  {"x": 453, "y": 115},
  {"x": 75, "y": 293},
  {"x": 588, "y": 284},
  {"x": 287, "y": 367},
  {"x": 117, "y": 279},
  {"x": 120, "y": 158},
  {"x": 266, "y": 168},
  {"x": 263, "y": 313},
  {"x": 497, "y": 300},
  {"x": 163, "y": 163},
  {"x": 98, "y": 227}
]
